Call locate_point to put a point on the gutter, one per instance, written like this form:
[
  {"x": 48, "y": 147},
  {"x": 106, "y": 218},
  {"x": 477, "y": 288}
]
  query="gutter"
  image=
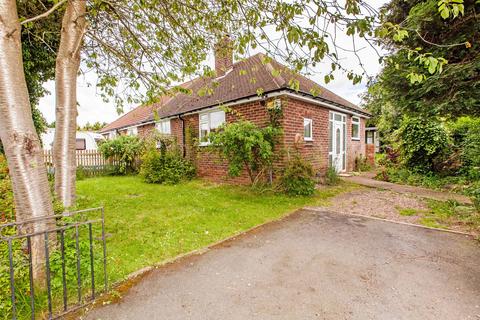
[{"x": 184, "y": 147}]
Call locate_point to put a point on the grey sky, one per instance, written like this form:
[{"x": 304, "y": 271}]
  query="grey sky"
[{"x": 92, "y": 108}]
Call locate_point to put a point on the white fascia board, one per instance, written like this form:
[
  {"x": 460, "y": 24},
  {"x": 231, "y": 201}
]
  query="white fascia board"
[
  {"x": 129, "y": 127},
  {"x": 324, "y": 104}
]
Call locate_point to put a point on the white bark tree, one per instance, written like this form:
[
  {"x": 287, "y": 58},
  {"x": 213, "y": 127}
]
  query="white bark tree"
[
  {"x": 67, "y": 67},
  {"x": 17, "y": 132}
]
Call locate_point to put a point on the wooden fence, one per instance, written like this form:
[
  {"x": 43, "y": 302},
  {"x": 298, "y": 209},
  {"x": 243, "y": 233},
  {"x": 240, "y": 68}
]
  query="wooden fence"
[{"x": 90, "y": 162}]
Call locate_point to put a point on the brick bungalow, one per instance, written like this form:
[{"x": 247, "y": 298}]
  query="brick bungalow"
[{"x": 327, "y": 129}]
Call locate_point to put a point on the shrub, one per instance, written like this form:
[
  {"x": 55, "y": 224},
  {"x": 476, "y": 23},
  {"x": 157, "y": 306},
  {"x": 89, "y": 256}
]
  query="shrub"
[
  {"x": 331, "y": 176},
  {"x": 245, "y": 146},
  {"x": 361, "y": 164},
  {"x": 125, "y": 150},
  {"x": 80, "y": 173},
  {"x": 421, "y": 142},
  {"x": 471, "y": 153},
  {"x": 297, "y": 178},
  {"x": 462, "y": 128},
  {"x": 165, "y": 167},
  {"x": 465, "y": 132},
  {"x": 474, "y": 193}
]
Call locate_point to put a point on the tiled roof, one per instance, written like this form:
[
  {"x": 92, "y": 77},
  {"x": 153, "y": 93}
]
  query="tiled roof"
[
  {"x": 245, "y": 79},
  {"x": 137, "y": 115}
]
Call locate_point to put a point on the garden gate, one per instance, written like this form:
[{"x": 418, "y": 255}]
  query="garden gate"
[{"x": 54, "y": 264}]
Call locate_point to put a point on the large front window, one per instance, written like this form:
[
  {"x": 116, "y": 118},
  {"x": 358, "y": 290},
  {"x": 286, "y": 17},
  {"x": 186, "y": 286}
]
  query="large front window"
[
  {"x": 163, "y": 127},
  {"x": 209, "y": 122}
]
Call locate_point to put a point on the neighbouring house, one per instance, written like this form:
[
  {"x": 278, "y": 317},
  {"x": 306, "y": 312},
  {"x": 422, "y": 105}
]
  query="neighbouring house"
[
  {"x": 327, "y": 129},
  {"x": 85, "y": 140},
  {"x": 372, "y": 137}
]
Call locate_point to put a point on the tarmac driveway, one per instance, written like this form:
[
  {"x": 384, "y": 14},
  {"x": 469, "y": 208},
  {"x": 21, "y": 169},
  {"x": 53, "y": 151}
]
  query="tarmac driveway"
[{"x": 315, "y": 265}]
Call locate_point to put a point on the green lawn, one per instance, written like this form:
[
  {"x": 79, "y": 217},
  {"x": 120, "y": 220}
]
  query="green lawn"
[{"x": 148, "y": 223}]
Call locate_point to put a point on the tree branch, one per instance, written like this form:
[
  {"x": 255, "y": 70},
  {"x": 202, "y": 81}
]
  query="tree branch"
[{"x": 45, "y": 14}]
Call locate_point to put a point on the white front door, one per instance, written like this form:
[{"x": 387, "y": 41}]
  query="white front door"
[
  {"x": 337, "y": 156},
  {"x": 337, "y": 147}
]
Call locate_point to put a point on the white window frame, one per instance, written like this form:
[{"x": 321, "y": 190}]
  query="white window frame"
[
  {"x": 164, "y": 127},
  {"x": 208, "y": 122},
  {"x": 356, "y": 122},
  {"x": 310, "y": 122},
  {"x": 132, "y": 131}
]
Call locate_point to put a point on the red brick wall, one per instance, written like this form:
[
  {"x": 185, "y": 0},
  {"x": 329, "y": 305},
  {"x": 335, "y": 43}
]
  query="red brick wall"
[
  {"x": 315, "y": 151},
  {"x": 370, "y": 151},
  {"x": 176, "y": 130},
  {"x": 355, "y": 148},
  {"x": 145, "y": 130}
]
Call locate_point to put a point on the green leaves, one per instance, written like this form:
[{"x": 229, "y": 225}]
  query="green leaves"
[
  {"x": 400, "y": 35},
  {"x": 450, "y": 8},
  {"x": 329, "y": 77},
  {"x": 294, "y": 84},
  {"x": 421, "y": 140},
  {"x": 414, "y": 77},
  {"x": 294, "y": 34},
  {"x": 393, "y": 31},
  {"x": 434, "y": 65}
]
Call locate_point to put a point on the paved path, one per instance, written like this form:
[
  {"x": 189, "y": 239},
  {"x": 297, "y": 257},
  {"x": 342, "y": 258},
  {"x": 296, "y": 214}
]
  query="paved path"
[
  {"x": 315, "y": 265},
  {"x": 367, "y": 181}
]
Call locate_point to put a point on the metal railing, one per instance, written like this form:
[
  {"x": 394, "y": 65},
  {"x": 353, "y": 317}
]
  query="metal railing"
[{"x": 60, "y": 255}]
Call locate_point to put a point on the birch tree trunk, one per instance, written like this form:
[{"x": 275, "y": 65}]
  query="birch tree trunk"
[
  {"x": 20, "y": 141},
  {"x": 67, "y": 67}
]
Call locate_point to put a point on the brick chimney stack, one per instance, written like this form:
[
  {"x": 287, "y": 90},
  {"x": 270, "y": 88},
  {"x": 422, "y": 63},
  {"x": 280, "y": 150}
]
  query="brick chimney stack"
[{"x": 223, "y": 56}]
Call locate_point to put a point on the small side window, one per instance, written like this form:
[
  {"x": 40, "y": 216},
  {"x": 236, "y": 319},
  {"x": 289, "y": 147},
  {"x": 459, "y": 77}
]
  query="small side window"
[
  {"x": 355, "y": 128},
  {"x": 307, "y": 129}
]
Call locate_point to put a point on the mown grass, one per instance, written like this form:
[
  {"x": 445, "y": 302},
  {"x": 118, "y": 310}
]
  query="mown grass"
[{"x": 147, "y": 223}]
